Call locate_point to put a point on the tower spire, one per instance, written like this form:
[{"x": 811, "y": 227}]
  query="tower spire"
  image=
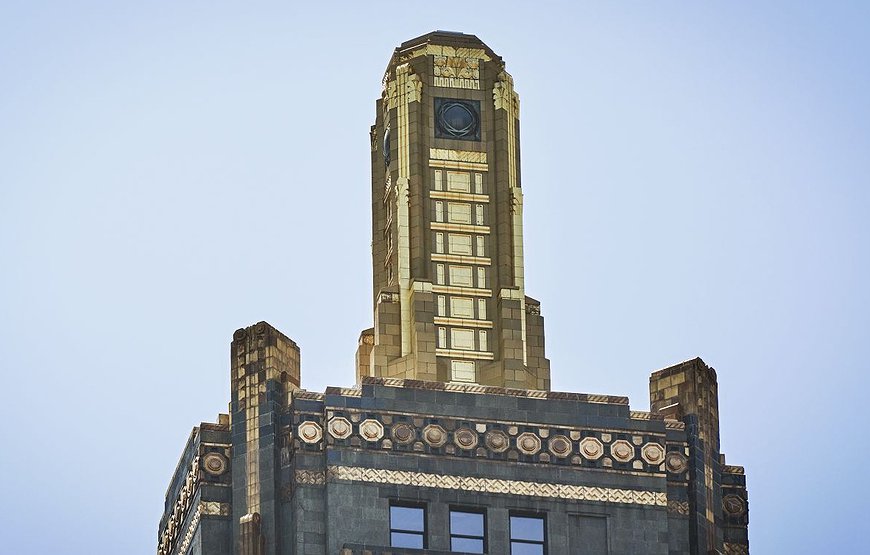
[{"x": 447, "y": 244}]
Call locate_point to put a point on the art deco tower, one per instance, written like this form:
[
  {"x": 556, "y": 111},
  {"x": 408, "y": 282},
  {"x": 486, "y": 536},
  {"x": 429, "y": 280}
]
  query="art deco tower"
[
  {"x": 447, "y": 223},
  {"x": 413, "y": 460}
]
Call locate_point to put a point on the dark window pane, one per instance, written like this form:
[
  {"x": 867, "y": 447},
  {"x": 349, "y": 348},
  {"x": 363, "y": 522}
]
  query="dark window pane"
[
  {"x": 398, "y": 539},
  {"x": 527, "y": 548},
  {"x": 466, "y": 545},
  {"x": 466, "y": 524},
  {"x": 406, "y": 518},
  {"x": 527, "y": 528}
]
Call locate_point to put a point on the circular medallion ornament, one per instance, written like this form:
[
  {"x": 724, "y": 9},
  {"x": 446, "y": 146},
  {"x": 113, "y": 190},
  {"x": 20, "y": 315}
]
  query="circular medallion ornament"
[
  {"x": 371, "y": 430},
  {"x": 310, "y": 432},
  {"x": 403, "y": 433},
  {"x": 465, "y": 439},
  {"x": 497, "y": 441},
  {"x": 528, "y": 443},
  {"x": 214, "y": 463},
  {"x": 457, "y": 119},
  {"x": 653, "y": 453},
  {"x": 676, "y": 462},
  {"x": 733, "y": 505},
  {"x": 559, "y": 446},
  {"x": 591, "y": 448},
  {"x": 339, "y": 428},
  {"x": 622, "y": 450},
  {"x": 434, "y": 435}
]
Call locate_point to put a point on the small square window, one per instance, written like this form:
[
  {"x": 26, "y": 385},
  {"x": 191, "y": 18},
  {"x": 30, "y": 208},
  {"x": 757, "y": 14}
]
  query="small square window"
[
  {"x": 407, "y": 526},
  {"x": 462, "y": 371},
  {"x": 467, "y": 531},
  {"x": 458, "y": 182},
  {"x": 528, "y": 534}
]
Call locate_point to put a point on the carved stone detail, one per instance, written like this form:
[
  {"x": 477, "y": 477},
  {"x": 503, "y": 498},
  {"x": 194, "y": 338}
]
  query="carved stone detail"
[
  {"x": 310, "y": 432},
  {"x": 676, "y": 462},
  {"x": 591, "y": 448},
  {"x": 653, "y": 453},
  {"x": 340, "y": 428},
  {"x": 465, "y": 439},
  {"x": 733, "y": 505},
  {"x": 622, "y": 450},
  {"x": 559, "y": 446},
  {"x": 528, "y": 443},
  {"x": 214, "y": 463},
  {"x": 434, "y": 435},
  {"x": 490, "y": 485},
  {"x": 678, "y": 507},
  {"x": 371, "y": 430},
  {"x": 403, "y": 433},
  {"x": 497, "y": 441}
]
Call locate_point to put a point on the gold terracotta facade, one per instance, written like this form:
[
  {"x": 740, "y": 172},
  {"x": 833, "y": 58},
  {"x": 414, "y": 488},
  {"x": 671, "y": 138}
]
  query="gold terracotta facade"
[{"x": 449, "y": 295}]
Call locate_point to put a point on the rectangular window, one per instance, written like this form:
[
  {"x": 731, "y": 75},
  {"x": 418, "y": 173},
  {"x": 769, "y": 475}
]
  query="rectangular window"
[
  {"x": 478, "y": 214},
  {"x": 439, "y": 211},
  {"x": 481, "y": 277},
  {"x": 461, "y": 307},
  {"x": 439, "y": 274},
  {"x": 439, "y": 185},
  {"x": 478, "y": 183},
  {"x": 467, "y": 531},
  {"x": 482, "y": 340},
  {"x": 461, "y": 276},
  {"x": 528, "y": 534},
  {"x": 481, "y": 243},
  {"x": 458, "y": 213},
  {"x": 462, "y": 339},
  {"x": 442, "y": 305},
  {"x": 439, "y": 242},
  {"x": 442, "y": 337},
  {"x": 407, "y": 526},
  {"x": 462, "y": 371},
  {"x": 458, "y": 182},
  {"x": 481, "y": 309},
  {"x": 459, "y": 244}
]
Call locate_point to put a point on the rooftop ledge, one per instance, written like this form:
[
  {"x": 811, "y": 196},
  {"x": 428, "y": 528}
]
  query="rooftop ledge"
[{"x": 467, "y": 388}]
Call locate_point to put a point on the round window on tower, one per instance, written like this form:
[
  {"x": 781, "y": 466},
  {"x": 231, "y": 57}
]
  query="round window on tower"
[
  {"x": 457, "y": 119},
  {"x": 387, "y": 146}
]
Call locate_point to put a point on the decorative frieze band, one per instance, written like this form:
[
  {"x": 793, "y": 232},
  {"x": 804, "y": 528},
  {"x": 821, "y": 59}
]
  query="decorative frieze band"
[
  {"x": 569, "y": 492},
  {"x": 472, "y": 156}
]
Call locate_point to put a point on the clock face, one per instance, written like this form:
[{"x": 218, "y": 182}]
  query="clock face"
[
  {"x": 457, "y": 119},
  {"x": 387, "y": 146}
]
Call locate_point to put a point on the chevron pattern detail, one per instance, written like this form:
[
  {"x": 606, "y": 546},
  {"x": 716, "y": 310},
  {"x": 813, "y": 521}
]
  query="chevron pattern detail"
[
  {"x": 490, "y": 485},
  {"x": 679, "y": 507},
  {"x": 310, "y": 477}
]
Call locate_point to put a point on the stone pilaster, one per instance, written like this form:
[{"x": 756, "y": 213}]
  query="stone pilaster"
[{"x": 264, "y": 369}]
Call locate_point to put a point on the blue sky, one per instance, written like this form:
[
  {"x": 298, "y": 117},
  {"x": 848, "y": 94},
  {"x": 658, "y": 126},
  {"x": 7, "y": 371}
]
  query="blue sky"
[{"x": 696, "y": 184}]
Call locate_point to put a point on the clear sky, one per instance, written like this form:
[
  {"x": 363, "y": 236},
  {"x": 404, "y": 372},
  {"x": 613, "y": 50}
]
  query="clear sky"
[{"x": 696, "y": 184}]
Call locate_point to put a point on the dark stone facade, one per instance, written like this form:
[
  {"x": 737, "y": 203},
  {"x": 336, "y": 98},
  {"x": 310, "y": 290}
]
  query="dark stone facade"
[
  {"x": 633, "y": 481},
  {"x": 452, "y": 412}
]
